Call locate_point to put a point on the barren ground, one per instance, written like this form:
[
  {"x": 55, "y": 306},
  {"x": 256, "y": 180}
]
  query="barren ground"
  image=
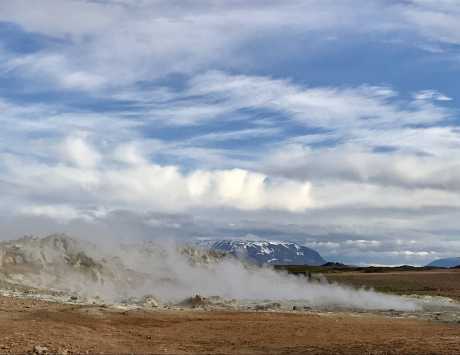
[
  {"x": 66, "y": 328},
  {"x": 440, "y": 282},
  {"x": 26, "y": 323}
]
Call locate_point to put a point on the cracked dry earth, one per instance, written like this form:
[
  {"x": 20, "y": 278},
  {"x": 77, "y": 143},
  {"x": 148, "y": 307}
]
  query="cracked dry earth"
[{"x": 61, "y": 328}]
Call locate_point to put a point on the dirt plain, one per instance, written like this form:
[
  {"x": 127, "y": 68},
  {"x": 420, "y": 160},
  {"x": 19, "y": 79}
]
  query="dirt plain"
[
  {"x": 436, "y": 282},
  {"x": 94, "y": 329},
  {"x": 67, "y": 329}
]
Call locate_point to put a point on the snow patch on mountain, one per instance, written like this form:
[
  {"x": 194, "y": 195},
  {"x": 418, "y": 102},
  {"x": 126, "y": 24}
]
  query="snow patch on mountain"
[{"x": 266, "y": 252}]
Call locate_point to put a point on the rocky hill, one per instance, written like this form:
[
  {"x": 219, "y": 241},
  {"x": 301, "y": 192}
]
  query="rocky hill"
[
  {"x": 268, "y": 252},
  {"x": 62, "y": 263},
  {"x": 112, "y": 271}
]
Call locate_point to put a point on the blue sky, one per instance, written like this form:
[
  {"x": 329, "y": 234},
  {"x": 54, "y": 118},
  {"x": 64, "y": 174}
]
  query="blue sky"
[{"x": 332, "y": 123}]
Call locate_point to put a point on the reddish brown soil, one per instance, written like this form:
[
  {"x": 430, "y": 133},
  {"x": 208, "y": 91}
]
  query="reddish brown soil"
[{"x": 25, "y": 323}]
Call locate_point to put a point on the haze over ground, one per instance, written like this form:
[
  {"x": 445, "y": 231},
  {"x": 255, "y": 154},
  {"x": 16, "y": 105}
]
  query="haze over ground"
[{"x": 331, "y": 123}]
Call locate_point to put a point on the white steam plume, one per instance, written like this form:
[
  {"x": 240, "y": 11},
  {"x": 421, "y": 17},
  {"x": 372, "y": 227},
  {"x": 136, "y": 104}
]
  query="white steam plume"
[
  {"x": 170, "y": 274},
  {"x": 172, "y": 277}
]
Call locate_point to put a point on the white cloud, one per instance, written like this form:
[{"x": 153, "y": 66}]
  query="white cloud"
[
  {"x": 422, "y": 158},
  {"x": 217, "y": 95},
  {"x": 242, "y": 134},
  {"x": 435, "y": 20},
  {"x": 431, "y": 95},
  {"x": 76, "y": 151},
  {"x": 420, "y": 170},
  {"x": 55, "y": 212},
  {"x": 365, "y": 195},
  {"x": 125, "y": 180},
  {"x": 38, "y": 18},
  {"x": 113, "y": 43},
  {"x": 328, "y": 107},
  {"x": 379, "y": 164},
  {"x": 55, "y": 69}
]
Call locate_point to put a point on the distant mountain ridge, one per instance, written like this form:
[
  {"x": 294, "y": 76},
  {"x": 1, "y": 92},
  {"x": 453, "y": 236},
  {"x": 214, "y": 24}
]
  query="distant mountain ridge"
[
  {"x": 446, "y": 262},
  {"x": 267, "y": 252}
]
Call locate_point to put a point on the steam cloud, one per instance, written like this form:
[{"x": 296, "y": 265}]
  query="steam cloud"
[
  {"x": 172, "y": 274},
  {"x": 171, "y": 277}
]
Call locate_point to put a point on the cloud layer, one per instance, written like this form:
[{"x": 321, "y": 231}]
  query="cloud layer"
[
  {"x": 333, "y": 123},
  {"x": 81, "y": 177}
]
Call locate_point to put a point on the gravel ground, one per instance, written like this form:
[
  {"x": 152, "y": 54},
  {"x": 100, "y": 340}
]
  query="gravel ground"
[{"x": 26, "y": 324}]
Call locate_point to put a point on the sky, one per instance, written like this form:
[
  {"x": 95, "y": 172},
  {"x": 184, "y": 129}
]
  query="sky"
[{"x": 332, "y": 123}]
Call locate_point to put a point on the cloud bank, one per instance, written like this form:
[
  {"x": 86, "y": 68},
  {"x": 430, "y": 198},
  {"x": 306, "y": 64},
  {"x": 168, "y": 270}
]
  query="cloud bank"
[
  {"x": 300, "y": 120},
  {"x": 82, "y": 177}
]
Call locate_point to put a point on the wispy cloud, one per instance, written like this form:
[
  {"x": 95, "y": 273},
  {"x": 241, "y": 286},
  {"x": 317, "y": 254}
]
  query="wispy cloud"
[
  {"x": 226, "y": 118},
  {"x": 326, "y": 107},
  {"x": 81, "y": 176},
  {"x": 152, "y": 39}
]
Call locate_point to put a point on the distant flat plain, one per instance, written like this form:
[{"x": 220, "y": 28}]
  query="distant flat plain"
[{"x": 437, "y": 282}]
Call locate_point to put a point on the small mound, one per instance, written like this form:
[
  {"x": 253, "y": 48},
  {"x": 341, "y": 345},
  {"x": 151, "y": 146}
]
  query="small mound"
[{"x": 199, "y": 301}]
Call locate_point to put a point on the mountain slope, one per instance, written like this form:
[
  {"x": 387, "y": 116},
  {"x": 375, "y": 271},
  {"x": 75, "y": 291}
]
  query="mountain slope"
[
  {"x": 109, "y": 271},
  {"x": 269, "y": 252},
  {"x": 63, "y": 263},
  {"x": 447, "y": 262}
]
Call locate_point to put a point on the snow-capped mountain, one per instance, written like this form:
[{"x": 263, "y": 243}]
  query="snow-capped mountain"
[{"x": 268, "y": 252}]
